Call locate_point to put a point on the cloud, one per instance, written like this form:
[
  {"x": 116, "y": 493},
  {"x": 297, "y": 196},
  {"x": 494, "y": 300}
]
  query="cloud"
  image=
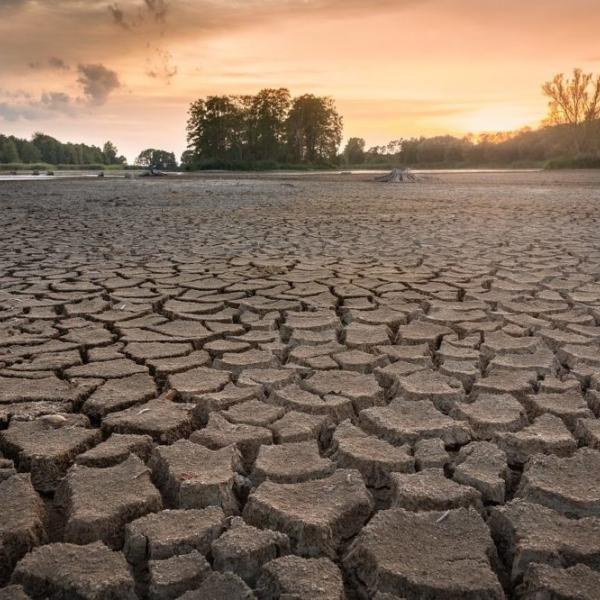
[
  {"x": 12, "y": 4},
  {"x": 160, "y": 65},
  {"x": 136, "y": 15},
  {"x": 14, "y": 112},
  {"x": 57, "y": 101},
  {"x": 118, "y": 16},
  {"x": 92, "y": 28},
  {"x": 23, "y": 106},
  {"x": 97, "y": 82},
  {"x": 157, "y": 8},
  {"x": 58, "y": 63},
  {"x": 52, "y": 63}
]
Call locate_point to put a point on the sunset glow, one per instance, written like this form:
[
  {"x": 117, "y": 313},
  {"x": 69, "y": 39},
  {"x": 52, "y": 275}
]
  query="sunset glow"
[{"x": 395, "y": 68}]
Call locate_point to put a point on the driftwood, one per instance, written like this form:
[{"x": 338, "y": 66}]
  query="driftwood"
[{"x": 398, "y": 176}]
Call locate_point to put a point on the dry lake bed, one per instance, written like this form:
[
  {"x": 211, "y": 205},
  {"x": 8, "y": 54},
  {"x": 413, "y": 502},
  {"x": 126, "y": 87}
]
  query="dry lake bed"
[{"x": 300, "y": 387}]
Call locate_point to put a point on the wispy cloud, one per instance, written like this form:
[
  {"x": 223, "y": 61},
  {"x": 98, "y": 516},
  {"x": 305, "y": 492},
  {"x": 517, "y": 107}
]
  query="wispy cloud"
[
  {"x": 51, "y": 63},
  {"x": 22, "y": 105},
  {"x": 160, "y": 65}
]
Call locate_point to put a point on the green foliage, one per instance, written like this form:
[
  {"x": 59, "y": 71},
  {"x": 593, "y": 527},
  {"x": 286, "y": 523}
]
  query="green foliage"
[
  {"x": 8, "y": 151},
  {"x": 354, "y": 152},
  {"x": 579, "y": 162},
  {"x": 526, "y": 147},
  {"x": 25, "y": 167},
  {"x": 111, "y": 155},
  {"x": 159, "y": 159},
  {"x": 269, "y": 126},
  {"x": 46, "y": 149},
  {"x": 314, "y": 130},
  {"x": 217, "y": 164}
]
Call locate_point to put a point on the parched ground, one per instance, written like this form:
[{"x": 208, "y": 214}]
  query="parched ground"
[{"x": 307, "y": 387}]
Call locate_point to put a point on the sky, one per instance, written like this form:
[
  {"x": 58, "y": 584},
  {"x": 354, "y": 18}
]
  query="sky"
[{"x": 127, "y": 70}]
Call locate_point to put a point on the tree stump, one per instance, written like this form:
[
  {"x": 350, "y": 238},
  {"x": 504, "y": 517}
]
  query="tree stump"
[{"x": 398, "y": 176}]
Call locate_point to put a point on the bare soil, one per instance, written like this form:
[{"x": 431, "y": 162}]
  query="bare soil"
[{"x": 307, "y": 386}]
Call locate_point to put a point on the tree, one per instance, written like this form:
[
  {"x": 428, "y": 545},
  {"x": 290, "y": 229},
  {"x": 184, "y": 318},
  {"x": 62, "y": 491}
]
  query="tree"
[
  {"x": 160, "y": 159},
  {"x": 314, "y": 129},
  {"x": 28, "y": 152},
  {"x": 267, "y": 126},
  {"x": 50, "y": 149},
  {"x": 8, "y": 151},
  {"x": 110, "y": 155},
  {"x": 217, "y": 127},
  {"x": 187, "y": 159},
  {"x": 354, "y": 152},
  {"x": 268, "y": 112},
  {"x": 574, "y": 102}
]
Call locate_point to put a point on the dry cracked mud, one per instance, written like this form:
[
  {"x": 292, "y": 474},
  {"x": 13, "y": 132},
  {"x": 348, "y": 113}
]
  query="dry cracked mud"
[{"x": 300, "y": 387}]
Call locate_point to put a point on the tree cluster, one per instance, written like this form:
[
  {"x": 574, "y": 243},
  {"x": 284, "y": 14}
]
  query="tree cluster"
[
  {"x": 522, "y": 147},
  {"x": 159, "y": 159},
  {"x": 270, "y": 126},
  {"x": 46, "y": 149}
]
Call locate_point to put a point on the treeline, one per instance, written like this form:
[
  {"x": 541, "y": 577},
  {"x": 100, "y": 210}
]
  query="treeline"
[
  {"x": 550, "y": 145},
  {"x": 270, "y": 126},
  {"x": 46, "y": 149}
]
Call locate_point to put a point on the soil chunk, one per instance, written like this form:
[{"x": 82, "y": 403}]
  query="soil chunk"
[
  {"x": 98, "y": 503},
  {"x": 23, "y": 522},
  {"x": 192, "y": 476},
  {"x": 302, "y": 578},
  {"x": 316, "y": 515},
  {"x": 167, "y": 533},
  {"x": 416, "y": 555}
]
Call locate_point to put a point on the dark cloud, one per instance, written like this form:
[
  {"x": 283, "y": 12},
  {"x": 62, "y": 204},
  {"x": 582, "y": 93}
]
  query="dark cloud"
[{"x": 97, "y": 82}]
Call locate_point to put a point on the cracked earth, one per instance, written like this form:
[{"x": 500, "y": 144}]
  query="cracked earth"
[{"x": 300, "y": 388}]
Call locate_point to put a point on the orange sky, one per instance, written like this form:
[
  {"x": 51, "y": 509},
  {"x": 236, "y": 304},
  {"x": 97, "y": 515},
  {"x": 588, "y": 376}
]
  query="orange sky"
[{"x": 396, "y": 67}]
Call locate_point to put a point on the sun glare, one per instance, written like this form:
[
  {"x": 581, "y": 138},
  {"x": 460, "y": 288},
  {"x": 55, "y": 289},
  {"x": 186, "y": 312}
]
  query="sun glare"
[{"x": 497, "y": 118}]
